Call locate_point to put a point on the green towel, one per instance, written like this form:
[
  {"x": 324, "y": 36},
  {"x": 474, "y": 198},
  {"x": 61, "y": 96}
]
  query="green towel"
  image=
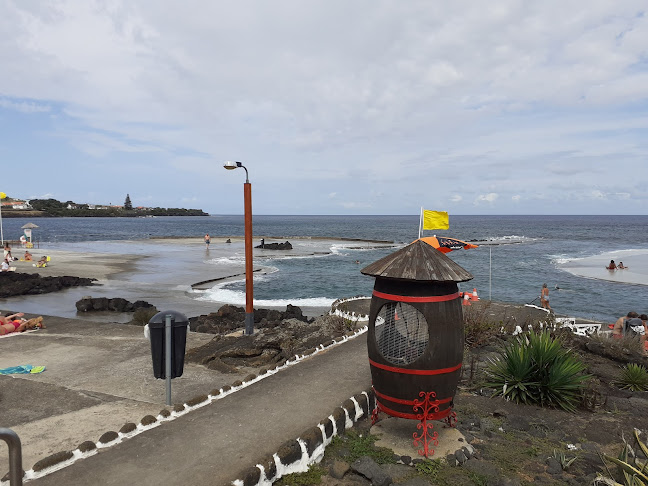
[{"x": 22, "y": 370}]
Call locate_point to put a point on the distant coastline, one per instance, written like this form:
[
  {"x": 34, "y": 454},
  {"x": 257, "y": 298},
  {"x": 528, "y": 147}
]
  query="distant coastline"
[{"x": 107, "y": 213}]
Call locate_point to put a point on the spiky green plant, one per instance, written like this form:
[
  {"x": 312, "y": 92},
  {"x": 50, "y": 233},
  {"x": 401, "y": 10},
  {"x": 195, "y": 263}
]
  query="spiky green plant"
[
  {"x": 633, "y": 471},
  {"x": 633, "y": 377},
  {"x": 562, "y": 458},
  {"x": 534, "y": 368}
]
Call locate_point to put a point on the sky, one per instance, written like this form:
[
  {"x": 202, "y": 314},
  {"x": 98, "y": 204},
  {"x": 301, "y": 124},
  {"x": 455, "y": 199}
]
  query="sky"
[{"x": 334, "y": 107}]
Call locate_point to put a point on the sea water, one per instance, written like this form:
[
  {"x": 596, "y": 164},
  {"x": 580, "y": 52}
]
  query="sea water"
[{"x": 516, "y": 255}]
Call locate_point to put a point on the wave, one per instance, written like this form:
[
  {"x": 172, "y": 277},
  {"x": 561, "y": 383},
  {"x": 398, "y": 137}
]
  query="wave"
[
  {"x": 503, "y": 240},
  {"x": 235, "y": 297},
  {"x": 236, "y": 259}
]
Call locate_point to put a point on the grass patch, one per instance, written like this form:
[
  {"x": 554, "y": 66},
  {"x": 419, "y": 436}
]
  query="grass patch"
[
  {"x": 429, "y": 468},
  {"x": 308, "y": 478},
  {"x": 352, "y": 446}
]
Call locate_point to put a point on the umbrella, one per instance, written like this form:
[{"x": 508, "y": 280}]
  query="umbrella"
[{"x": 446, "y": 245}]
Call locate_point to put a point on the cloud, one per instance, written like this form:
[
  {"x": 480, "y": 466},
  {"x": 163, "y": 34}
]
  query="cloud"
[
  {"x": 490, "y": 198},
  {"x": 459, "y": 103},
  {"x": 24, "y": 106}
]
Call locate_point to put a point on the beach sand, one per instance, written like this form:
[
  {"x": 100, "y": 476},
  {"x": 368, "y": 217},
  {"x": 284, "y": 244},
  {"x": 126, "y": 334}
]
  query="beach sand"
[{"x": 594, "y": 267}]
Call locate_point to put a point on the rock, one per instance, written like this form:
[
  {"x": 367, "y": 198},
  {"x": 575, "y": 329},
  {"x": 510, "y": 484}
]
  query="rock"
[
  {"x": 89, "y": 304},
  {"x": 553, "y": 466},
  {"x": 275, "y": 246},
  {"x": 271, "y": 344},
  {"x": 367, "y": 467},
  {"x": 338, "y": 469},
  {"x": 15, "y": 283},
  {"x": 460, "y": 457}
]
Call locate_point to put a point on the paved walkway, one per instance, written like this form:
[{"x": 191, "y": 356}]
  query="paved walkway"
[{"x": 214, "y": 444}]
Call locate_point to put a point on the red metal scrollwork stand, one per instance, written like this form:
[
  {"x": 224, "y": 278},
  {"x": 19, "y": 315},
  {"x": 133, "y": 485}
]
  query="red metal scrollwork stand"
[{"x": 427, "y": 407}]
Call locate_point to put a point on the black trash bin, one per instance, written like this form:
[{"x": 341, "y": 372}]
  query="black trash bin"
[{"x": 179, "y": 323}]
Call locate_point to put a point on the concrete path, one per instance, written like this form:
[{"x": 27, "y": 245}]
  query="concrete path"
[{"x": 214, "y": 444}]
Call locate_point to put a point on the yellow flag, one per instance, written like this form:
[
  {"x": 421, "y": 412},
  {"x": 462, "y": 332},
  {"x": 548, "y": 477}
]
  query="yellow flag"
[
  {"x": 2, "y": 195},
  {"x": 435, "y": 220}
]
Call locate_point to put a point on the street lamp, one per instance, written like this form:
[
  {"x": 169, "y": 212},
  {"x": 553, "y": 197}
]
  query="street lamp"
[{"x": 249, "y": 291}]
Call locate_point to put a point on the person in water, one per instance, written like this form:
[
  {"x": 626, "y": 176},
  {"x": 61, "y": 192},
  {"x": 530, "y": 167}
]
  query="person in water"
[
  {"x": 612, "y": 265},
  {"x": 207, "y": 241},
  {"x": 621, "y": 266}
]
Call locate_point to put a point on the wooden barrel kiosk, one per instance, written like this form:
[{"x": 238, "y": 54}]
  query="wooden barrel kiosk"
[{"x": 416, "y": 336}]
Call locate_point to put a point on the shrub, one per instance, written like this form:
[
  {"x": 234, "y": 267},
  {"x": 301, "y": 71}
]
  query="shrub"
[
  {"x": 618, "y": 349},
  {"x": 633, "y": 472},
  {"x": 534, "y": 368},
  {"x": 633, "y": 377}
]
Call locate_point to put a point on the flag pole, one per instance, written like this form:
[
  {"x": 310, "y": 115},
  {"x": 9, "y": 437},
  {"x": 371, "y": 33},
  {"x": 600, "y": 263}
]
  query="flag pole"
[{"x": 420, "y": 222}]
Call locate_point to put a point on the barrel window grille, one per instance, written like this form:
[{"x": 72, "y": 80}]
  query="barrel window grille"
[{"x": 401, "y": 333}]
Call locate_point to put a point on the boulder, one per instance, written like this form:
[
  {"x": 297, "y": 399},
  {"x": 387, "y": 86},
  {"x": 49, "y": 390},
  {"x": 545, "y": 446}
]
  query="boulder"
[
  {"x": 275, "y": 246},
  {"x": 89, "y": 304}
]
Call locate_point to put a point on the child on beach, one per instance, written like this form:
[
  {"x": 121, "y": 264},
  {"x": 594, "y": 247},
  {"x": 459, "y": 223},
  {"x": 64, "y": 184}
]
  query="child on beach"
[
  {"x": 207, "y": 241},
  {"x": 5, "y": 267},
  {"x": 42, "y": 262}
]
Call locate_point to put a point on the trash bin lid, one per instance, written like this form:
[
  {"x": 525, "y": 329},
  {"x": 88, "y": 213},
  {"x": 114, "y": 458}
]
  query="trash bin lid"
[{"x": 177, "y": 319}]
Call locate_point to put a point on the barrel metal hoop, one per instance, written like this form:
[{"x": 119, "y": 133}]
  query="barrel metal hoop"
[
  {"x": 406, "y": 402},
  {"x": 407, "y": 298},
  {"x": 406, "y": 371}
]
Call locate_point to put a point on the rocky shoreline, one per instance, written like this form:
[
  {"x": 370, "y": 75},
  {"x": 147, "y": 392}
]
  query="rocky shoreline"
[{"x": 15, "y": 283}]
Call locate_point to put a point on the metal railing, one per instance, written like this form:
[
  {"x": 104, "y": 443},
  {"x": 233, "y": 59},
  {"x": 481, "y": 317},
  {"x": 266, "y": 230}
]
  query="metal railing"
[{"x": 15, "y": 456}]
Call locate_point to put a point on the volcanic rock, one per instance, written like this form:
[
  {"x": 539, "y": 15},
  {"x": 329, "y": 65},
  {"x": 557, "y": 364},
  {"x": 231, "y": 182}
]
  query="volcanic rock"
[
  {"x": 88, "y": 304},
  {"x": 15, "y": 283}
]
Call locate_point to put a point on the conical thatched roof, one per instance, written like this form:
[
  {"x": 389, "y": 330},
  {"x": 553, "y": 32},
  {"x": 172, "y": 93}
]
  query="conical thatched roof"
[{"x": 418, "y": 261}]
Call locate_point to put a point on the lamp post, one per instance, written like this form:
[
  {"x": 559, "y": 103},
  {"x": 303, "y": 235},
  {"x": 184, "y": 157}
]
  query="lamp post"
[{"x": 249, "y": 291}]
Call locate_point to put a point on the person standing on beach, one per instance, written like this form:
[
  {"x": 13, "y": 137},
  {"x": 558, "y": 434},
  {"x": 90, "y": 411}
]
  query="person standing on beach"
[
  {"x": 207, "y": 241},
  {"x": 544, "y": 297}
]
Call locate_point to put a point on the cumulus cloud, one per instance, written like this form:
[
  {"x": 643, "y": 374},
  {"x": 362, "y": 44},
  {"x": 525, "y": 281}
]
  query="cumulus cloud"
[
  {"x": 456, "y": 198},
  {"x": 490, "y": 198},
  {"x": 516, "y": 198}
]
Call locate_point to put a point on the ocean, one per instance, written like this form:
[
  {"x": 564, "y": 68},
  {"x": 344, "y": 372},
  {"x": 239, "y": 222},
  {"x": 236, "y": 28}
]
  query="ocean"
[{"x": 516, "y": 255}]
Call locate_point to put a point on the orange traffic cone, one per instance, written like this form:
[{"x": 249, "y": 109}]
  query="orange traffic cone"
[
  {"x": 474, "y": 295},
  {"x": 466, "y": 299}
]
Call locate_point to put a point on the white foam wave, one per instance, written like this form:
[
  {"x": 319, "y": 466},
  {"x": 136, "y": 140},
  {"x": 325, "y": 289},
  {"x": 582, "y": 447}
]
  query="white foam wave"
[
  {"x": 563, "y": 259},
  {"x": 503, "y": 240},
  {"x": 234, "y": 297},
  {"x": 230, "y": 260}
]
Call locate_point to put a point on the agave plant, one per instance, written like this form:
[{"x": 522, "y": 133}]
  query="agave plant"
[
  {"x": 535, "y": 368},
  {"x": 634, "y": 472},
  {"x": 633, "y": 377}
]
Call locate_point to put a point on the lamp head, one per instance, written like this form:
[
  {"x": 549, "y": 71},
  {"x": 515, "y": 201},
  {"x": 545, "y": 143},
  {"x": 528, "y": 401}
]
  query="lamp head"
[{"x": 231, "y": 165}]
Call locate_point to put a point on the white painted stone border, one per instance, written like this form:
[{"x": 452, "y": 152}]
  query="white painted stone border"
[{"x": 160, "y": 419}]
